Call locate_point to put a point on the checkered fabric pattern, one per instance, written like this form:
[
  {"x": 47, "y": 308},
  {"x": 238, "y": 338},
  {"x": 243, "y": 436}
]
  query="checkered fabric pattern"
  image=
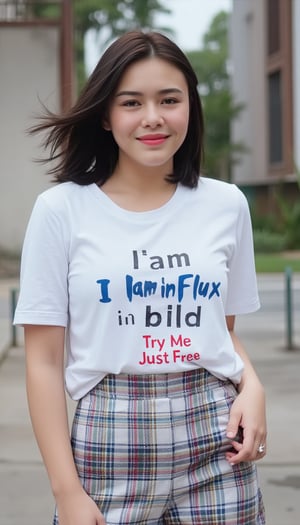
[{"x": 150, "y": 449}]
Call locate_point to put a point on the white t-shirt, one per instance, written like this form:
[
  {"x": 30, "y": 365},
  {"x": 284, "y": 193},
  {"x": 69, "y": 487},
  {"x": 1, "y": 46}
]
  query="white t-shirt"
[{"x": 139, "y": 292}]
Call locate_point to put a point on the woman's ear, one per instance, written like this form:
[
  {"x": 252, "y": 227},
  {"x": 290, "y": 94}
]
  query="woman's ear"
[{"x": 105, "y": 124}]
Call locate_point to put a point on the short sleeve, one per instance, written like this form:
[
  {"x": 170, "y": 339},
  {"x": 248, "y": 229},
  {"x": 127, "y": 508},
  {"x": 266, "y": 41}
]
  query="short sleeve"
[
  {"x": 242, "y": 295},
  {"x": 43, "y": 297}
]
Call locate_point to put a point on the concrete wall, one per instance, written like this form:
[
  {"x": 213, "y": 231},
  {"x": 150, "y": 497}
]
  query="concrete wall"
[
  {"x": 247, "y": 44},
  {"x": 29, "y": 71}
]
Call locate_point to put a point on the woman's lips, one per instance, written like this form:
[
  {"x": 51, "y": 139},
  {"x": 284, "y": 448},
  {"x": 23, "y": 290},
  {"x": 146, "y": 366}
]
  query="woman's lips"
[{"x": 153, "y": 140}]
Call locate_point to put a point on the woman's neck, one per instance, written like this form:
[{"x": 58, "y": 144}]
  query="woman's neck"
[{"x": 139, "y": 192}]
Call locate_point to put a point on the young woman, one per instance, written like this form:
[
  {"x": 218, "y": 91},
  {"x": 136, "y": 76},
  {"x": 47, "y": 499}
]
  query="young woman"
[{"x": 140, "y": 266}]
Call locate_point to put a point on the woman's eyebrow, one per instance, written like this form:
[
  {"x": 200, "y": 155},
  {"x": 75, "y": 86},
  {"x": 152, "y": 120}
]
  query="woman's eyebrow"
[{"x": 165, "y": 91}]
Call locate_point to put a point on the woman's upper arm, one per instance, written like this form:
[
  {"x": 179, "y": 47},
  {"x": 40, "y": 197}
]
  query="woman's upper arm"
[
  {"x": 44, "y": 344},
  {"x": 230, "y": 320}
]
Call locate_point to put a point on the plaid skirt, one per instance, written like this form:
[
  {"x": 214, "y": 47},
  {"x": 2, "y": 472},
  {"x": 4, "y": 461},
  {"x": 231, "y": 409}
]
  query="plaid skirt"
[{"x": 150, "y": 449}]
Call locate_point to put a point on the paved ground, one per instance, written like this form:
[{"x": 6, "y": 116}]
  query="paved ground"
[{"x": 25, "y": 497}]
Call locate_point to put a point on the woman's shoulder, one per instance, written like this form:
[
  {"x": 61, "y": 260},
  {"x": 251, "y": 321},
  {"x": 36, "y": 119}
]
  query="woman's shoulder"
[
  {"x": 219, "y": 190},
  {"x": 216, "y": 185},
  {"x": 215, "y": 196},
  {"x": 61, "y": 195},
  {"x": 60, "y": 190},
  {"x": 62, "y": 201}
]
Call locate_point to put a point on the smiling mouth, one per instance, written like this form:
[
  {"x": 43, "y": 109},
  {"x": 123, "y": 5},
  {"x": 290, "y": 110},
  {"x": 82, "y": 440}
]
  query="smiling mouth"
[{"x": 153, "y": 140}]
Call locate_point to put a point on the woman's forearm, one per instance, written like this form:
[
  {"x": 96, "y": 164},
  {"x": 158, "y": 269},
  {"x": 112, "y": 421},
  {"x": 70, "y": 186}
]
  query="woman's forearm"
[
  {"x": 248, "y": 411},
  {"x": 46, "y": 397},
  {"x": 47, "y": 406},
  {"x": 249, "y": 373}
]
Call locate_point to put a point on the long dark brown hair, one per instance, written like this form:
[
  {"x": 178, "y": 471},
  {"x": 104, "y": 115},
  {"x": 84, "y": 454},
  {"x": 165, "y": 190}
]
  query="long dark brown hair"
[{"x": 83, "y": 151}]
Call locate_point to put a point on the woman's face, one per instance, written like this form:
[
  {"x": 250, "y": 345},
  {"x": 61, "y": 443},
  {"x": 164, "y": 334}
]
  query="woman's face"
[{"x": 149, "y": 115}]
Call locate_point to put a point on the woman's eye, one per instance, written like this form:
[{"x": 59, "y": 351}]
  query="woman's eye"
[
  {"x": 130, "y": 103},
  {"x": 170, "y": 101}
]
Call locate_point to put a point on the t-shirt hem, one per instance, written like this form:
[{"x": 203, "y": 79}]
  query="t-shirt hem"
[
  {"x": 23, "y": 318},
  {"x": 241, "y": 310}
]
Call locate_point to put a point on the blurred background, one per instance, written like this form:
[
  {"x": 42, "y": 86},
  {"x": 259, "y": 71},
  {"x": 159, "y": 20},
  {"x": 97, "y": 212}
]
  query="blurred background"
[{"x": 247, "y": 57}]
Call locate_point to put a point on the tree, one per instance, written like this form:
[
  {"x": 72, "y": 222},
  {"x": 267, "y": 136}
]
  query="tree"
[
  {"x": 114, "y": 16},
  {"x": 211, "y": 66}
]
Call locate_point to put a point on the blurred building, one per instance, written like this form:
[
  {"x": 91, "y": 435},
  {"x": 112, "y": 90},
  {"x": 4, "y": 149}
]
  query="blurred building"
[
  {"x": 265, "y": 58},
  {"x": 35, "y": 69}
]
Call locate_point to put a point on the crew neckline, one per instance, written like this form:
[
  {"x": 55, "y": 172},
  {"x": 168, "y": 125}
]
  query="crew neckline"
[{"x": 117, "y": 210}]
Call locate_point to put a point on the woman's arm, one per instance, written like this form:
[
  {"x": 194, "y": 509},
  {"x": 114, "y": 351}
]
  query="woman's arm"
[
  {"x": 44, "y": 346},
  {"x": 248, "y": 410}
]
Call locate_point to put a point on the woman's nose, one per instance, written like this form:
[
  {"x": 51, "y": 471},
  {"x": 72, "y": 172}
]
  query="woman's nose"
[{"x": 152, "y": 116}]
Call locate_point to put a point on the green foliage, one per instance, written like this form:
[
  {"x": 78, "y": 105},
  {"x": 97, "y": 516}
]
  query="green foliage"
[
  {"x": 268, "y": 242},
  {"x": 280, "y": 231},
  {"x": 266, "y": 237},
  {"x": 211, "y": 66},
  {"x": 116, "y": 17},
  {"x": 290, "y": 217},
  {"x": 267, "y": 222},
  {"x": 46, "y": 10}
]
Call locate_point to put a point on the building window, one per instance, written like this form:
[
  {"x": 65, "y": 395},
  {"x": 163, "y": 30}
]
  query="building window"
[
  {"x": 273, "y": 26},
  {"x": 275, "y": 118}
]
